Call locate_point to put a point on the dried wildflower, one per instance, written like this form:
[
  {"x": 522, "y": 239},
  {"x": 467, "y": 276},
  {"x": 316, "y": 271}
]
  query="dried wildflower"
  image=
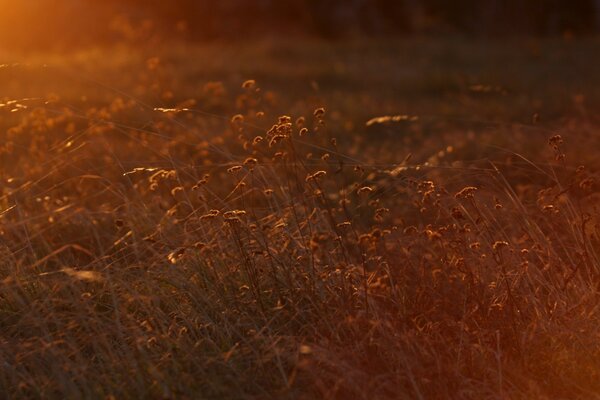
[
  {"x": 315, "y": 176},
  {"x": 140, "y": 169},
  {"x": 201, "y": 182},
  {"x": 555, "y": 141},
  {"x": 233, "y": 169},
  {"x": 426, "y": 186},
  {"x": 233, "y": 215},
  {"x": 432, "y": 235},
  {"x": 319, "y": 112},
  {"x": 257, "y": 140},
  {"x": 237, "y": 119},
  {"x": 391, "y": 118},
  {"x": 249, "y": 84},
  {"x": 285, "y": 119},
  {"x": 176, "y": 190},
  {"x": 176, "y": 255},
  {"x": 382, "y": 211},
  {"x": 303, "y": 131},
  {"x": 276, "y": 139},
  {"x": 162, "y": 174},
  {"x": 250, "y": 162},
  {"x": 211, "y": 214},
  {"x": 499, "y": 244},
  {"x": 171, "y": 110},
  {"x": 364, "y": 190},
  {"x": 466, "y": 193},
  {"x": 172, "y": 211}
]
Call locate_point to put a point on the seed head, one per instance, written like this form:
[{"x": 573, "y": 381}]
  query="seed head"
[
  {"x": 238, "y": 118},
  {"x": 499, "y": 244},
  {"x": 364, "y": 190},
  {"x": 315, "y": 176},
  {"x": 235, "y": 168},
  {"x": 249, "y": 84},
  {"x": 466, "y": 193},
  {"x": 555, "y": 140}
]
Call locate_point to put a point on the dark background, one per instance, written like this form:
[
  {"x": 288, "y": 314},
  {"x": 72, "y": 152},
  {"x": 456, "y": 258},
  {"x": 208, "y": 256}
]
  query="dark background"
[{"x": 39, "y": 23}]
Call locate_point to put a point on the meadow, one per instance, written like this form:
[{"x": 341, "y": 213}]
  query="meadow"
[{"x": 365, "y": 219}]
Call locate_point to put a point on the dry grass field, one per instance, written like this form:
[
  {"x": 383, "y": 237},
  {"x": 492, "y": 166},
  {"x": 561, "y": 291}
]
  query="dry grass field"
[{"x": 377, "y": 219}]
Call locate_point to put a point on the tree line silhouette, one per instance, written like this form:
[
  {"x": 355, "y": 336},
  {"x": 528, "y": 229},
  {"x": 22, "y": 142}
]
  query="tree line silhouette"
[
  {"x": 343, "y": 17},
  {"x": 84, "y": 21}
]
